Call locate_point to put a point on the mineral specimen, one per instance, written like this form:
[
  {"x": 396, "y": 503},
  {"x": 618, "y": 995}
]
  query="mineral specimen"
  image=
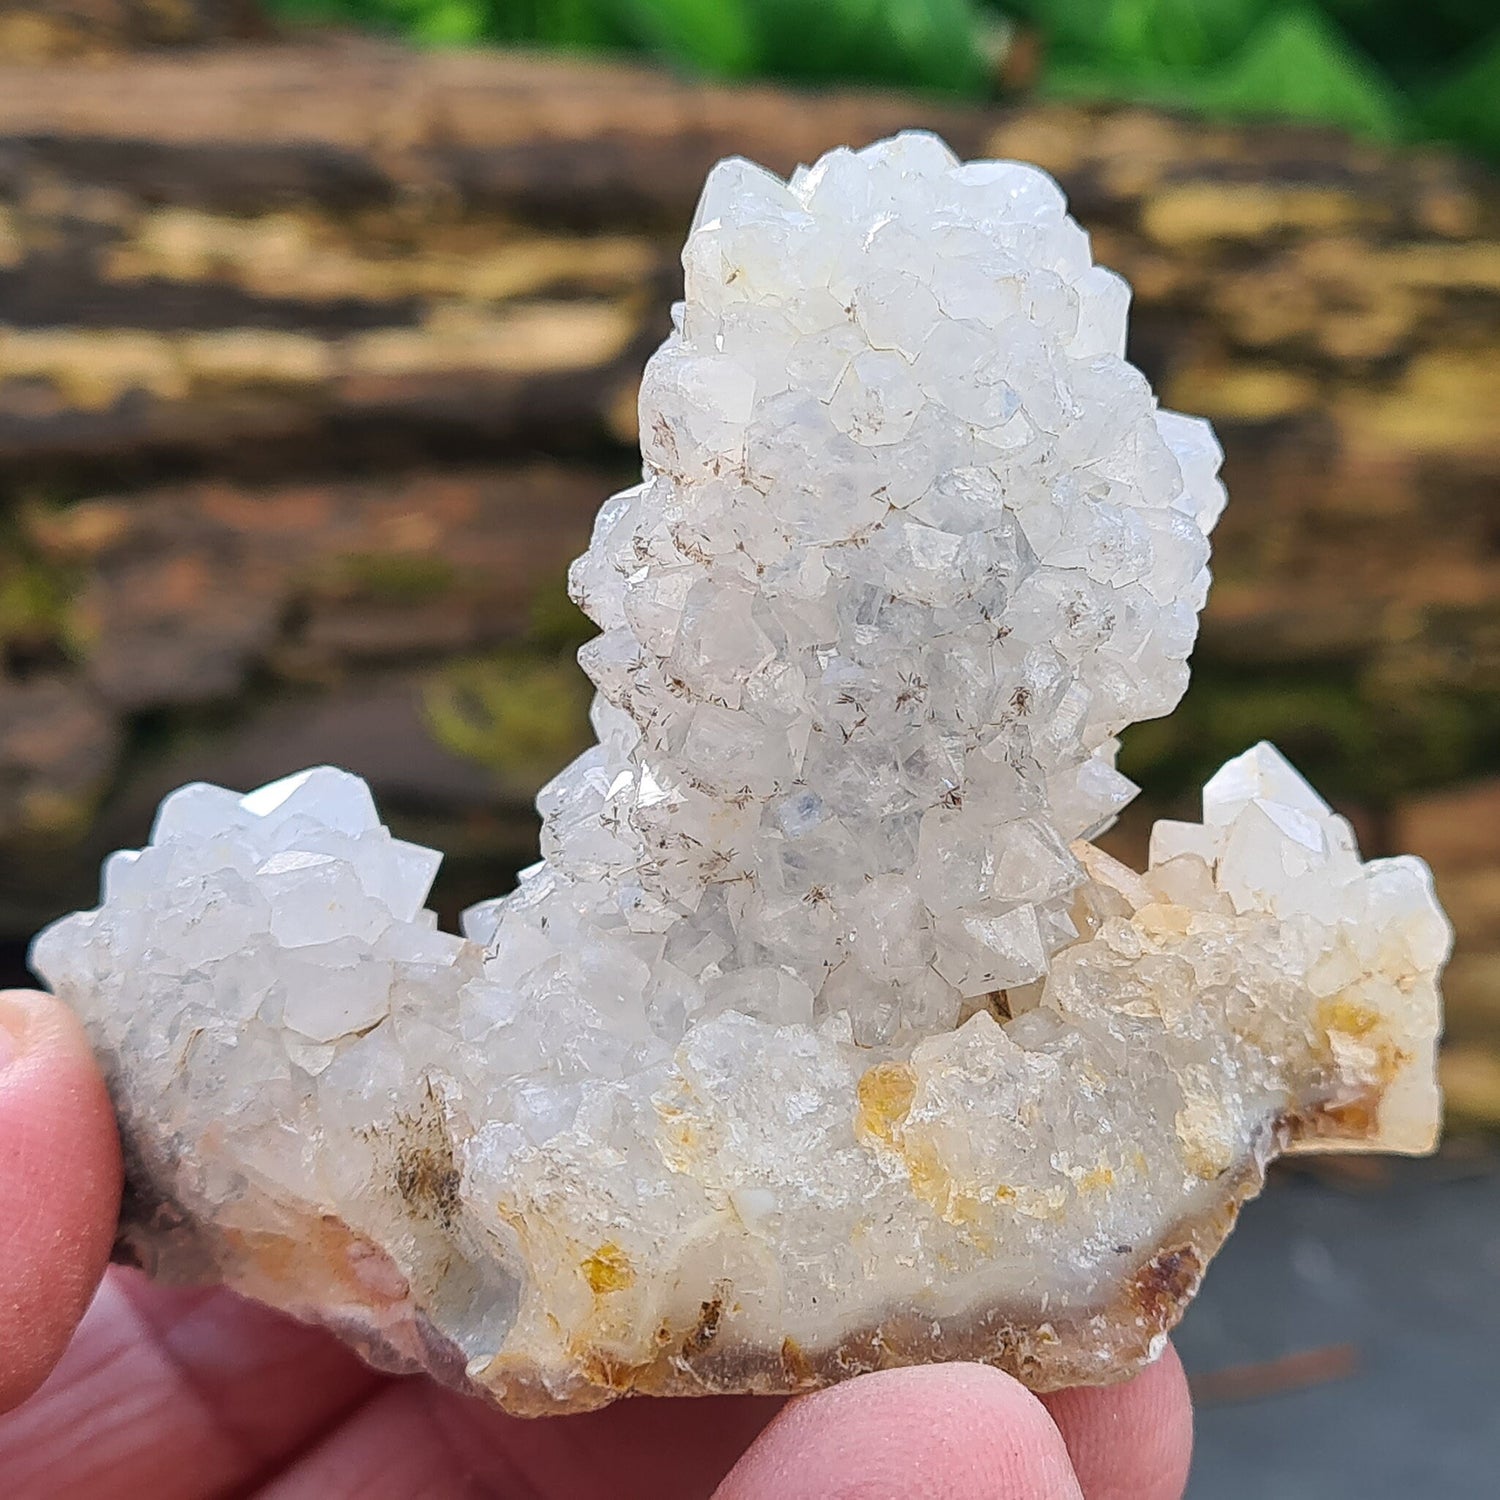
[{"x": 820, "y": 1039}]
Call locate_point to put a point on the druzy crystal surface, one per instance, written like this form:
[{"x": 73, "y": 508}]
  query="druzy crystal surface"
[{"x": 821, "y": 1038}]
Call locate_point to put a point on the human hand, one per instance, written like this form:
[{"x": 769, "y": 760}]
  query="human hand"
[{"x": 184, "y": 1395}]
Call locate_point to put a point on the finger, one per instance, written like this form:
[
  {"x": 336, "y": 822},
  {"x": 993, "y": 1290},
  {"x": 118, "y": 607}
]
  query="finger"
[
  {"x": 386, "y": 1451},
  {"x": 637, "y": 1449},
  {"x": 178, "y": 1395},
  {"x": 1131, "y": 1441},
  {"x": 418, "y": 1441},
  {"x": 59, "y": 1186},
  {"x": 940, "y": 1432}
]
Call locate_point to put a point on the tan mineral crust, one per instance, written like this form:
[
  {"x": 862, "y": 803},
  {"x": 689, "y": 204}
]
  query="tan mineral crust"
[{"x": 821, "y": 1039}]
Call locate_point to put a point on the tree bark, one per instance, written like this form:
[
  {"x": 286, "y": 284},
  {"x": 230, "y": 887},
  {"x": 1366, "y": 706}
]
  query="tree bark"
[{"x": 33, "y": 31}]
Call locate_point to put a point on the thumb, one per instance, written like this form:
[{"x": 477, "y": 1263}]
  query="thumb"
[{"x": 59, "y": 1186}]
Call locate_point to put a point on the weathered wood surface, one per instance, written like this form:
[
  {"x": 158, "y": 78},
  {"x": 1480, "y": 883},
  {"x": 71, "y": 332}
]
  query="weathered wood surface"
[
  {"x": 34, "y": 31},
  {"x": 315, "y": 359}
]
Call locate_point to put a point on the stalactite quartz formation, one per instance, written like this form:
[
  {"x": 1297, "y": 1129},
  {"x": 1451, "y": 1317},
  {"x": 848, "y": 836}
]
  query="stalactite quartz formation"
[{"x": 821, "y": 1038}]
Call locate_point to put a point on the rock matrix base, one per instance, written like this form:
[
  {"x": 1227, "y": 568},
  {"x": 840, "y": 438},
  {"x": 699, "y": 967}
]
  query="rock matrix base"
[{"x": 821, "y": 1038}]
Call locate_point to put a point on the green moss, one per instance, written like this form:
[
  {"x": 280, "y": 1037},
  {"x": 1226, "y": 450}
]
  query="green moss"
[
  {"x": 521, "y": 711},
  {"x": 35, "y": 599},
  {"x": 31, "y": 603},
  {"x": 1351, "y": 735},
  {"x": 64, "y": 816},
  {"x": 395, "y": 577},
  {"x": 520, "y": 716},
  {"x": 557, "y": 624}
]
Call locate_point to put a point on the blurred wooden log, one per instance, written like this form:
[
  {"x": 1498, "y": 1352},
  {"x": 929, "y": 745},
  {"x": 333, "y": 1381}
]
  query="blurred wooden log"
[
  {"x": 314, "y": 360},
  {"x": 270, "y": 257},
  {"x": 184, "y": 592},
  {"x": 414, "y": 628},
  {"x": 42, "y": 30},
  {"x": 1458, "y": 830}
]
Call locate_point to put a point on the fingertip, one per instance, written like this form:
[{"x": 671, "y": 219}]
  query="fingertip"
[
  {"x": 1132, "y": 1441},
  {"x": 935, "y": 1432},
  {"x": 60, "y": 1177},
  {"x": 37, "y": 1027}
]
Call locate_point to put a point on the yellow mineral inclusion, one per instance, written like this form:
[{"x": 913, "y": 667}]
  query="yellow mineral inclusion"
[
  {"x": 1347, "y": 1016},
  {"x": 608, "y": 1269},
  {"x": 1101, "y": 1176},
  {"x": 883, "y": 1096}
]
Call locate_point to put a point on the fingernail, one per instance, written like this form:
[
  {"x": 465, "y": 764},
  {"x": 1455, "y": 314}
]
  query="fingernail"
[
  {"x": 12, "y": 1031},
  {"x": 10, "y": 1046}
]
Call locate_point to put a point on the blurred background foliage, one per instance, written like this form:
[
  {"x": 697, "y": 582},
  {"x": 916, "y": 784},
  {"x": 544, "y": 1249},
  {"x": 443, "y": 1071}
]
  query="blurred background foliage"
[{"x": 1388, "y": 69}]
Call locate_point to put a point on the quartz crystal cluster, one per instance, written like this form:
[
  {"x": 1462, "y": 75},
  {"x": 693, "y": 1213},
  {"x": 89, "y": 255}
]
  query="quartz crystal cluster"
[{"x": 821, "y": 1038}]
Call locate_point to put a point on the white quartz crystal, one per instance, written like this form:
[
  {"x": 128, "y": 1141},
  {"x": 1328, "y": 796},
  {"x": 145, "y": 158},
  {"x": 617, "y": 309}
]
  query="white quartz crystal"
[{"x": 820, "y": 1038}]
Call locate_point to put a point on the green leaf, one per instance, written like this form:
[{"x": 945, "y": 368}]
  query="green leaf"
[
  {"x": 713, "y": 36},
  {"x": 1416, "y": 42},
  {"x": 448, "y": 23},
  {"x": 829, "y": 40},
  {"x": 429, "y": 22},
  {"x": 939, "y": 43},
  {"x": 936, "y": 44},
  {"x": 1299, "y": 65},
  {"x": 1108, "y": 83},
  {"x": 1139, "y": 38},
  {"x": 1295, "y": 66},
  {"x": 1466, "y": 109}
]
